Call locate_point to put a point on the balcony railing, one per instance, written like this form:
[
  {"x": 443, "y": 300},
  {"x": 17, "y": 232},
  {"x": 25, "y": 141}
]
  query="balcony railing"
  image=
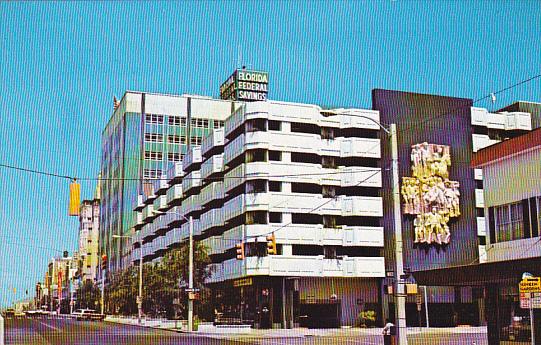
[
  {"x": 300, "y": 266},
  {"x": 212, "y": 140},
  {"x": 213, "y": 165}
]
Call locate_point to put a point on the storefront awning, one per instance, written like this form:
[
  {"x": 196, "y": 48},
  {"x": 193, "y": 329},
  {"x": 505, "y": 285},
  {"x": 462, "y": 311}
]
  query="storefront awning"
[{"x": 505, "y": 272}]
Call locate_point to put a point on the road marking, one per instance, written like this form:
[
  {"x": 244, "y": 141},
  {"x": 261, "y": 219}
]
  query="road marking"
[{"x": 49, "y": 326}]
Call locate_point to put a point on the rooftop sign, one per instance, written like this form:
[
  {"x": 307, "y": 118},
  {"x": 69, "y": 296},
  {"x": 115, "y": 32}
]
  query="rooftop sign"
[{"x": 245, "y": 85}]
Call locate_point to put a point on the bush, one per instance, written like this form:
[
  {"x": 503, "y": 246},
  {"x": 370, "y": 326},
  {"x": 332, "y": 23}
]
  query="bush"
[{"x": 367, "y": 319}]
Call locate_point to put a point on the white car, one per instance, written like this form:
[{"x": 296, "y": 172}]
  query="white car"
[{"x": 87, "y": 314}]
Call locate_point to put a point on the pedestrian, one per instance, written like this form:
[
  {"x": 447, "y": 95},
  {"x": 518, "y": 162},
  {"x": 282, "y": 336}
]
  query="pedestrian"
[{"x": 388, "y": 332}]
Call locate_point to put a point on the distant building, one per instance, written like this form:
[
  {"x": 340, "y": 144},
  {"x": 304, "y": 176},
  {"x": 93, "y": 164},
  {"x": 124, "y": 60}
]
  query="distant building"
[{"x": 89, "y": 223}]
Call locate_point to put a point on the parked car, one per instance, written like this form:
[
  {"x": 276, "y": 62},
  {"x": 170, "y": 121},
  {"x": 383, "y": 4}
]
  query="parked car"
[{"x": 88, "y": 314}]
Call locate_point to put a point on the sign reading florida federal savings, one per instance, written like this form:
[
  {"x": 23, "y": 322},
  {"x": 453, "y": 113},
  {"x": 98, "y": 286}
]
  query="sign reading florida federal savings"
[{"x": 245, "y": 85}]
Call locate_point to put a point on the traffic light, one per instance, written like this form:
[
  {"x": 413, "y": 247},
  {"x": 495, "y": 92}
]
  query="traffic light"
[
  {"x": 75, "y": 198},
  {"x": 271, "y": 244},
  {"x": 240, "y": 251},
  {"x": 104, "y": 262}
]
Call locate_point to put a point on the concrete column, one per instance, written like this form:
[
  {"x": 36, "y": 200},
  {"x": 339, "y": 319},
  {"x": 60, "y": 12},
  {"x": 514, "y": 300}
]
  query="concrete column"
[
  {"x": 286, "y": 126},
  {"x": 493, "y": 320}
]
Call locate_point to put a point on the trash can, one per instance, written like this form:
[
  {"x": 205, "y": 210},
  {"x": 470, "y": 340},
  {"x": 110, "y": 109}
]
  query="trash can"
[{"x": 390, "y": 339}]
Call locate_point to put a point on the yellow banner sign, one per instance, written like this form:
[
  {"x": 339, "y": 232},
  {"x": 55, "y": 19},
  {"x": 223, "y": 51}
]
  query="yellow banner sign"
[
  {"x": 530, "y": 285},
  {"x": 242, "y": 282}
]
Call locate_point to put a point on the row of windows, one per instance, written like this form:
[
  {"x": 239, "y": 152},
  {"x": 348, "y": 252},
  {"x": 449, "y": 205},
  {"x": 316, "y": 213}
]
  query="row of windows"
[
  {"x": 158, "y": 156},
  {"x": 177, "y": 121},
  {"x": 181, "y": 121},
  {"x": 175, "y": 157},
  {"x": 154, "y": 118},
  {"x": 152, "y": 173},
  {"x": 154, "y": 137},
  {"x": 153, "y": 155}
]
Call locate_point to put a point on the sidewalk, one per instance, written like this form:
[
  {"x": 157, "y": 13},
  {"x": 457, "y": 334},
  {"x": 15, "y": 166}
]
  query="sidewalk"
[{"x": 232, "y": 332}]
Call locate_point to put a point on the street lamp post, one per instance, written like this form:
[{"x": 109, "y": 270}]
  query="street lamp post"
[
  {"x": 190, "y": 266},
  {"x": 140, "y": 295},
  {"x": 400, "y": 305}
]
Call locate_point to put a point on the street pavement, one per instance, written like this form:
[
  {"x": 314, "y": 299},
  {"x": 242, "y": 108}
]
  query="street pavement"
[{"x": 61, "y": 331}]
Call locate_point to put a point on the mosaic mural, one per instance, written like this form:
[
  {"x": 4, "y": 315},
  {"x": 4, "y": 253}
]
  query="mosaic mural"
[{"x": 429, "y": 194}]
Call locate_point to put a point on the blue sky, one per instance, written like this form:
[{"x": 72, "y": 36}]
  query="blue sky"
[{"x": 62, "y": 62}]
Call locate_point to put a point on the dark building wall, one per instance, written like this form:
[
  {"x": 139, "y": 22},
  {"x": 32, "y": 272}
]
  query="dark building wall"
[{"x": 437, "y": 120}]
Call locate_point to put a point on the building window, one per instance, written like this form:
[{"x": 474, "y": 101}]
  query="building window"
[
  {"x": 154, "y": 137},
  {"x": 200, "y": 123},
  {"x": 153, "y": 156},
  {"x": 176, "y": 139},
  {"x": 154, "y": 118},
  {"x": 152, "y": 173},
  {"x": 196, "y": 140},
  {"x": 509, "y": 225},
  {"x": 175, "y": 157},
  {"x": 218, "y": 124},
  {"x": 177, "y": 121}
]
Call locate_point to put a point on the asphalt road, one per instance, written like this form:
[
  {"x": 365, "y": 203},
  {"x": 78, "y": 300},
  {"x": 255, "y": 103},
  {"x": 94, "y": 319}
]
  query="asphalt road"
[{"x": 56, "y": 331}]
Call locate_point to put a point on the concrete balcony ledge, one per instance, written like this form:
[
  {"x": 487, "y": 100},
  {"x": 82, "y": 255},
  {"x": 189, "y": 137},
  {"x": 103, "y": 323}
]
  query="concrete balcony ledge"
[
  {"x": 212, "y": 140},
  {"x": 301, "y": 266}
]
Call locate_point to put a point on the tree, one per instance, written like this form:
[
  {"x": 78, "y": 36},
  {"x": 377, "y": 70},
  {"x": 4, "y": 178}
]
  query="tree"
[
  {"x": 88, "y": 296},
  {"x": 162, "y": 283}
]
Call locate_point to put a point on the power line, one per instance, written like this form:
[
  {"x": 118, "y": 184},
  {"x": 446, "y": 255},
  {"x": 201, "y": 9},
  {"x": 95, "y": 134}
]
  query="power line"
[
  {"x": 39, "y": 172},
  {"x": 467, "y": 104}
]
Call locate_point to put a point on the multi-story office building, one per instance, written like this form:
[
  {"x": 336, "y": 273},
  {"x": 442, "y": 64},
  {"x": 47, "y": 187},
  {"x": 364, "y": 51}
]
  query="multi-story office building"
[
  {"x": 147, "y": 134},
  {"x": 320, "y": 183},
  {"x": 89, "y": 222},
  {"x": 287, "y": 170}
]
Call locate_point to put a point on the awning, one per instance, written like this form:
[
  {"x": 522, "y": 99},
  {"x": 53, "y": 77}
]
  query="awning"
[{"x": 504, "y": 272}]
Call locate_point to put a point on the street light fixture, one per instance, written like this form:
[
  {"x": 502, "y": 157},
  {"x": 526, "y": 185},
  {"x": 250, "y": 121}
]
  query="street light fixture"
[
  {"x": 140, "y": 296},
  {"x": 400, "y": 305},
  {"x": 190, "y": 266}
]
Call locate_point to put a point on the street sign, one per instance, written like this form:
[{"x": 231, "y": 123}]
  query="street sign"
[
  {"x": 419, "y": 299},
  {"x": 530, "y": 284},
  {"x": 530, "y": 300},
  {"x": 192, "y": 290},
  {"x": 243, "y": 282},
  {"x": 389, "y": 274}
]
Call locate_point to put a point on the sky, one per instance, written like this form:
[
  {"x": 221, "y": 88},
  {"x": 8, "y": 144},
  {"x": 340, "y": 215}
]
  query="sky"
[{"x": 61, "y": 63}]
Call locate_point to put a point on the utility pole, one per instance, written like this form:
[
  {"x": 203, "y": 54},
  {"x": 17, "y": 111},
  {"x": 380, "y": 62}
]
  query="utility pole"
[
  {"x": 140, "y": 297},
  {"x": 400, "y": 299},
  {"x": 190, "y": 278}
]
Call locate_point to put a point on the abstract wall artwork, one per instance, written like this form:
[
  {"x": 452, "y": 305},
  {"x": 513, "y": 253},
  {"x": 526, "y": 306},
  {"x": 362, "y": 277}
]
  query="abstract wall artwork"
[{"x": 429, "y": 194}]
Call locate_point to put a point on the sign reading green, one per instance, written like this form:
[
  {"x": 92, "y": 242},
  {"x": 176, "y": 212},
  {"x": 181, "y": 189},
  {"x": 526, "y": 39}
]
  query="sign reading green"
[{"x": 245, "y": 85}]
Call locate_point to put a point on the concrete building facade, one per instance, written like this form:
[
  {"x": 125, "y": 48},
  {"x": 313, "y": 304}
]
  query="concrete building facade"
[
  {"x": 89, "y": 224},
  {"x": 146, "y": 135}
]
